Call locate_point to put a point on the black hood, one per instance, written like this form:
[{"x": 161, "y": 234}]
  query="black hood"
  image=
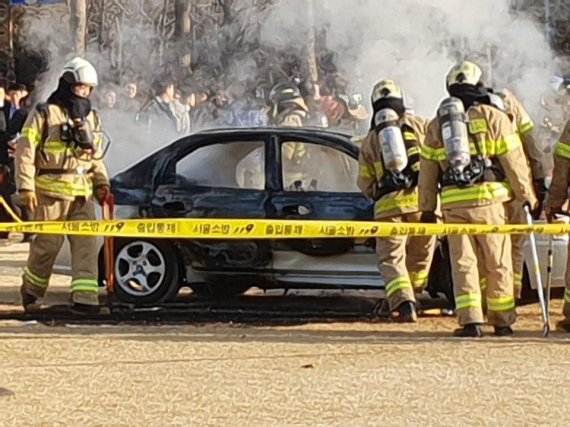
[
  {"x": 470, "y": 94},
  {"x": 76, "y": 106},
  {"x": 392, "y": 103}
]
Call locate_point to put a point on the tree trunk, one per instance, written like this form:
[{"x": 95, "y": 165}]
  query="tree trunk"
[
  {"x": 311, "y": 54},
  {"x": 183, "y": 29},
  {"x": 78, "y": 21}
]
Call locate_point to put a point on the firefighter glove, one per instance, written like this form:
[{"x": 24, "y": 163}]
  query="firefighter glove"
[
  {"x": 534, "y": 208},
  {"x": 540, "y": 191},
  {"x": 28, "y": 200},
  {"x": 428, "y": 218},
  {"x": 103, "y": 194}
]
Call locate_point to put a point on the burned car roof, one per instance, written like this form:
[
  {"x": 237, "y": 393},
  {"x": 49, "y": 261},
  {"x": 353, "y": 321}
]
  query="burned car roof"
[{"x": 140, "y": 178}]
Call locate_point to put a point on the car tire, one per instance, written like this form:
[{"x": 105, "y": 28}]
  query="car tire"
[
  {"x": 219, "y": 288},
  {"x": 137, "y": 260}
]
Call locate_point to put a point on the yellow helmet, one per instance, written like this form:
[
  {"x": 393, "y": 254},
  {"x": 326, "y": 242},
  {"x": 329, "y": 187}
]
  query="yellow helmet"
[
  {"x": 464, "y": 73},
  {"x": 386, "y": 89}
]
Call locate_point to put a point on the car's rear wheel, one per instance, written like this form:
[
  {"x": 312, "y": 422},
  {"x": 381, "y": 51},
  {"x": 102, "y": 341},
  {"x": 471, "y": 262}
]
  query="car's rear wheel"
[
  {"x": 219, "y": 288},
  {"x": 146, "y": 271}
]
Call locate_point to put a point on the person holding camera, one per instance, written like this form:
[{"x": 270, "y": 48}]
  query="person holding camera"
[{"x": 58, "y": 172}]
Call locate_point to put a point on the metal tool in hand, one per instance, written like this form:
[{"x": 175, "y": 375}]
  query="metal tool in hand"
[{"x": 536, "y": 269}]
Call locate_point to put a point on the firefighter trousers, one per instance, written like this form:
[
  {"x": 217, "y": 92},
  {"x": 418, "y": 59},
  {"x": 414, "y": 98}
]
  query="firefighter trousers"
[
  {"x": 488, "y": 255},
  {"x": 45, "y": 248},
  {"x": 404, "y": 262}
]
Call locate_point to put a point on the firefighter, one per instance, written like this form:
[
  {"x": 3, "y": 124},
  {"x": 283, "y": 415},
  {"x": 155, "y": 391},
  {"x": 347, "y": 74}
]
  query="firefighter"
[
  {"x": 557, "y": 198},
  {"x": 388, "y": 173},
  {"x": 473, "y": 158},
  {"x": 524, "y": 126},
  {"x": 58, "y": 172},
  {"x": 289, "y": 109},
  {"x": 288, "y": 106}
]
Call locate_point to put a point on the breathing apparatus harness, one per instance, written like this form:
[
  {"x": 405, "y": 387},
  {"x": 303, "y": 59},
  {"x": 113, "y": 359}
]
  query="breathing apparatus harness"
[
  {"x": 78, "y": 135},
  {"x": 398, "y": 173},
  {"x": 464, "y": 170}
]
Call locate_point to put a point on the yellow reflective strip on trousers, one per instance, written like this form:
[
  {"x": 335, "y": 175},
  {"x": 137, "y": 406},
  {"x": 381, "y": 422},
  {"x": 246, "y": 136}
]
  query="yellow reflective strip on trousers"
[
  {"x": 396, "y": 285},
  {"x": 479, "y": 192},
  {"x": 501, "y": 304},
  {"x": 410, "y": 136},
  {"x": 419, "y": 279},
  {"x": 567, "y": 296},
  {"x": 31, "y": 135},
  {"x": 483, "y": 283},
  {"x": 85, "y": 285},
  {"x": 466, "y": 301},
  {"x": 562, "y": 150},
  {"x": 401, "y": 201},
  {"x": 365, "y": 172},
  {"x": 526, "y": 127},
  {"x": 518, "y": 280},
  {"x": 36, "y": 280}
]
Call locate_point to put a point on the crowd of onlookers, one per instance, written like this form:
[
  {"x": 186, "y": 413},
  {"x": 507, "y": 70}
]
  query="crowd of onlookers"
[{"x": 168, "y": 107}]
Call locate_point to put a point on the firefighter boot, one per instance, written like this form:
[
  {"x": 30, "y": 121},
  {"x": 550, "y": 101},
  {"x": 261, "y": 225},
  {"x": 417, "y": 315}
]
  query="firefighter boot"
[
  {"x": 472, "y": 330},
  {"x": 84, "y": 309},
  {"x": 405, "y": 313},
  {"x": 564, "y": 325},
  {"x": 503, "y": 331},
  {"x": 27, "y": 299}
]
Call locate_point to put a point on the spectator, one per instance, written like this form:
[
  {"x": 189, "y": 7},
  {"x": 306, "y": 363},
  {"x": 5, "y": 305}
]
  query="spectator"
[
  {"x": 130, "y": 99},
  {"x": 13, "y": 114},
  {"x": 181, "y": 109},
  {"x": 157, "y": 113},
  {"x": 110, "y": 99}
]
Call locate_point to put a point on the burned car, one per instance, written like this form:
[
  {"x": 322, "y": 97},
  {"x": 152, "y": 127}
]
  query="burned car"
[
  {"x": 264, "y": 173},
  {"x": 261, "y": 173}
]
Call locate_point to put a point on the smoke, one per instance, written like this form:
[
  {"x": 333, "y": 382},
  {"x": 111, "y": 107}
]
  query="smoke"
[{"x": 414, "y": 42}]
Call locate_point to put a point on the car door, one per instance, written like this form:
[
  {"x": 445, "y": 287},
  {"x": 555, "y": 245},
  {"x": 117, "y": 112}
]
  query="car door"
[
  {"x": 221, "y": 178},
  {"x": 317, "y": 180}
]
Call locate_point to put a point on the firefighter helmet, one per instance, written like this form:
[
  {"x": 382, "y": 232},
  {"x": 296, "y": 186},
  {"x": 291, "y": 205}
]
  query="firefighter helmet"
[
  {"x": 284, "y": 92},
  {"x": 80, "y": 71},
  {"x": 386, "y": 89},
  {"x": 464, "y": 73}
]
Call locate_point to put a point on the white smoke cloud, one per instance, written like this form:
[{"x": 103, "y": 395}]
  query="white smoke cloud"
[{"x": 412, "y": 41}]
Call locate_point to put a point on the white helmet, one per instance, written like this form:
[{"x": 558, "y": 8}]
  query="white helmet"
[{"x": 78, "y": 70}]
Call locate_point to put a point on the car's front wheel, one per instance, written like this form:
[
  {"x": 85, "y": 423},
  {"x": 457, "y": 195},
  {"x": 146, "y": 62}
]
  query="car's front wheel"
[{"x": 146, "y": 271}]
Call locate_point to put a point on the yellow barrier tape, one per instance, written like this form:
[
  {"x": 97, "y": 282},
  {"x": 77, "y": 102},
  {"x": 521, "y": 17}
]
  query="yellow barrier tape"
[
  {"x": 212, "y": 228},
  {"x": 8, "y": 209},
  {"x": 200, "y": 228}
]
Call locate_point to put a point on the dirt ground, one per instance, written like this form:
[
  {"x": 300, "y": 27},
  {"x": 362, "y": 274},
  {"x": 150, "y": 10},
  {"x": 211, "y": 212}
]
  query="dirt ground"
[{"x": 355, "y": 374}]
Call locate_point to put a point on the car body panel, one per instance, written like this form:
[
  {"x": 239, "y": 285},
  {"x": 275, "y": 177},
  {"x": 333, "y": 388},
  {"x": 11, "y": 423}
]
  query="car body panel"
[{"x": 151, "y": 188}]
